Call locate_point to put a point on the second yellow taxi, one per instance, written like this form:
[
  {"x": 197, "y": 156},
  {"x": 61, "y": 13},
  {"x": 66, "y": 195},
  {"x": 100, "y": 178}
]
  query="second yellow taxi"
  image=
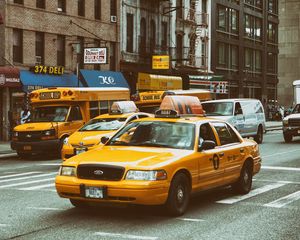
[{"x": 161, "y": 160}]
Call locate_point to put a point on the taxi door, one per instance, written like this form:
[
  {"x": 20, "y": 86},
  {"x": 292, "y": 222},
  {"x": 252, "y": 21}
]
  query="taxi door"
[
  {"x": 231, "y": 151},
  {"x": 210, "y": 163}
]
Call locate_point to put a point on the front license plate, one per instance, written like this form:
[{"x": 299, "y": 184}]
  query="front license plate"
[
  {"x": 93, "y": 192},
  {"x": 79, "y": 150},
  {"x": 27, "y": 148}
]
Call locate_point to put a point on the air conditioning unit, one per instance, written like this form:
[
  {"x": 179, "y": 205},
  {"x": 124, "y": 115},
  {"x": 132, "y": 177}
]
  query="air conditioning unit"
[
  {"x": 38, "y": 59},
  {"x": 113, "y": 19}
]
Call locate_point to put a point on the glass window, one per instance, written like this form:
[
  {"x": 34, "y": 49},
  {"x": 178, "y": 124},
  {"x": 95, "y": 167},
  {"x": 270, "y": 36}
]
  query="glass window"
[
  {"x": 94, "y": 109},
  {"x": 49, "y": 114},
  {"x": 81, "y": 7},
  {"x": 143, "y": 36},
  {"x": 75, "y": 114},
  {"x": 272, "y": 6},
  {"x": 206, "y": 133},
  {"x": 61, "y": 6},
  {"x": 272, "y": 63},
  {"x": 18, "y": 45},
  {"x": 103, "y": 124},
  {"x": 164, "y": 36},
  {"x": 61, "y": 50},
  {"x": 113, "y": 7},
  {"x": 258, "y": 67},
  {"x": 19, "y": 1},
  {"x": 97, "y": 9},
  {"x": 39, "y": 47},
  {"x": 152, "y": 36},
  {"x": 179, "y": 11},
  {"x": 234, "y": 57},
  {"x": 103, "y": 107},
  {"x": 40, "y": 4},
  {"x": 129, "y": 38},
  {"x": 218, "y": 108},
  {"x": 222, "y": 18},
  {"x": 224, "y": 134},
  {"x": 272, "y": 32},
  {"x": 221, "y": 54}
]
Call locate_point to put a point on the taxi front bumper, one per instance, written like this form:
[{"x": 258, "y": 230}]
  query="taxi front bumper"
[
  {"x": 295, "y": 130},
  {"x": 36, "y": 147},
  {"x": 127, "y": 192}
]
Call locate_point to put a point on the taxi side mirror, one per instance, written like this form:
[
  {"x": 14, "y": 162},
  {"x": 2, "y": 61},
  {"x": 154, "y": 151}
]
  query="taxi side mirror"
[
  {"x": 206, "y": 145},
  {"x": 104, "y": 139}
]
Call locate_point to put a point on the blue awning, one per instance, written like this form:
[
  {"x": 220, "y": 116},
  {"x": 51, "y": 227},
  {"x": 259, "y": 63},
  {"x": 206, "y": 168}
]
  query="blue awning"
[
  {"x": 92, "y": 78},
  {"x": 32, "y": 81}
]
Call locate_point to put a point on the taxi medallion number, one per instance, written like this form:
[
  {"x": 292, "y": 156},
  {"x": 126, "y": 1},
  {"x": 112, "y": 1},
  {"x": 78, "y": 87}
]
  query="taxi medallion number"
[{"x": 93, "y": 192}]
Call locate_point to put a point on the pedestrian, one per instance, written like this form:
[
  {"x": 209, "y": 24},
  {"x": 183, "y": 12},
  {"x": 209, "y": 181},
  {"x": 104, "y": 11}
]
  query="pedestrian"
[{"x": 25, "y": 115}]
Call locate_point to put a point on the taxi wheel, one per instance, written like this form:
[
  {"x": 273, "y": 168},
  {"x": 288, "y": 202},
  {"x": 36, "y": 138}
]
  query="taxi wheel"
[
  {"x": 24, "y": 155},
  {"x": 259, "y": 136},
  {"x": 244, "y": 184},
  {"x": 78, "y": 203},
  {"x": 179, "y": 195}
]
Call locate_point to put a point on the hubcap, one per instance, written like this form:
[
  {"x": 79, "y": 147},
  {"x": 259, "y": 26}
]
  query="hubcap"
[
  {"x": 246, "y": 177},
  {"x": 180, "y": 194}
]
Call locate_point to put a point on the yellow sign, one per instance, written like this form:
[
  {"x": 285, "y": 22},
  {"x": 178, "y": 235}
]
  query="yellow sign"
[
  {"x": 161, "y": 62},
  {"x": 48, "y": 70}
]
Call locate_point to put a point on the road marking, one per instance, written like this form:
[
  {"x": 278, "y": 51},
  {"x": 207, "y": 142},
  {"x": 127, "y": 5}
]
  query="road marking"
[
  {"x": 24, "y": 183},
  {"x": 280, "y": 168},
  {"x": 127, "y": 236},
  {"x": 43, "y": 208},
  {"x": 272, "y": 181},
  {"x": 191, "y": 219},
  {"x": 38, "y": 187},
  {"x": 281, "y": 202},
  {"x": 19, "y": 174},
  {"x": 22, "y": 178},
  {"x": 276, "y": 154},
  {"x": 253, "y": 193}
]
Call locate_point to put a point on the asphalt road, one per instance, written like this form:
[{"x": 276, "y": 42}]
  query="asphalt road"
[{"x": 31, "y": 209}]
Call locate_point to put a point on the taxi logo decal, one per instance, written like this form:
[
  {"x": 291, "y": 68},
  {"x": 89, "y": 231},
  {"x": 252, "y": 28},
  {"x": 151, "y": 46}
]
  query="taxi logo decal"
[
  {"x": 216, "y": 161},
  {"x": 98, "y": 172}
]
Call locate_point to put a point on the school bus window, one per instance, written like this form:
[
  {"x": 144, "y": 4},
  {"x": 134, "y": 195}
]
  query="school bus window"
[
  {"x": 103, "y": 107},
  {"x": 94, "y": 109},
  {"x": 75, "y": 114},
  {"x": 49, "y": 114}
]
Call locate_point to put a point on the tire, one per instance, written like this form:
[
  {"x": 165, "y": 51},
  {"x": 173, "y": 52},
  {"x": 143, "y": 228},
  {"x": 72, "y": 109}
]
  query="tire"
[
  {"x": 179, "y": 195},
  {"x": 78, "y": 203},
  {"x": 244, "y": 183},
  {"x": 260, "y": 135},
  {"x": 23, "y": 155},
  {"x": 287, "y": 137},
  {"x": 61, "y": 144}
]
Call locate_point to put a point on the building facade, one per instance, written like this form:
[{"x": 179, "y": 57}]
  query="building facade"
[
  {"x": 51, "y": 33},
  {"x": 245, "y": 46},
  {"x": 289, "y": 50}
]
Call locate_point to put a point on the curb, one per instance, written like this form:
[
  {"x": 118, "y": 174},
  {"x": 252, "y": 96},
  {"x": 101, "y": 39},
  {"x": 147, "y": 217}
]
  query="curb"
[
  {"x": 7, "y": 155},
  {"x": 273, "y": 129}
]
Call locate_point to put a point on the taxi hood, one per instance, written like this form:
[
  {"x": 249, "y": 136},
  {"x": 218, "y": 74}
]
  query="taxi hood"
[
  {"x": 37, "y": 126},
  {"x": 88, "y": 137},
  {"x": 131, "y": 157}
]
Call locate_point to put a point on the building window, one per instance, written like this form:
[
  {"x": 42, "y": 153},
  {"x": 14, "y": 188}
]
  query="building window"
[
  {"x": 272, "y": 63},
  {"x": 164, "y": 36},
  {"x": 98, "y": 9},
  {"x": 61, "y": 50},
  {"x": 113, "y": 7},
  {"x": 61, "y": 6},
  {"x": 179, "y": 48},
  {"x": 253, "y": 61},
  {"x": 112, "y": 60},
  {"x": 40, "y": 4},
  {"x": 39, "y": 48},
  {"x": 221, "y": 55},
  {"x": 179, "y": 11},
  {"x": 257, "y": 62},
  {"x": 253, "y": 27},
  {"x": 152, "y": 36},
  {"x": 17, "y": 45},
  {"x": 129, "y": 38},
  {"x": 272, "y": 32},
  {"x": 273, "y": 6},
  {"x": 204, "y": 6},
  {"x": 228, "y": 20},
  {"x": 19, "y": 1},
  {"x": 228, "y": 56},
  {"x": 143, "y": 37},
  {"x": 81, "y": 7}
]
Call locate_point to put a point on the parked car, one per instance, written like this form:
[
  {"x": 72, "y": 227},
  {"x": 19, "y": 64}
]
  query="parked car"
[
  {"x": 291, "y": 124},
  {"x": 246, "y": 115}
]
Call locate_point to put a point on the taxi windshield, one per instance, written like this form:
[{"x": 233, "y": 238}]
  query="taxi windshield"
[
  {"x": 156, "y": 134},
  {"x": 296, "y": 109},
  {"x": 218, "y": 108},
  {"x": 49, "y": 114},
  {"x": 103, "y": 124}
]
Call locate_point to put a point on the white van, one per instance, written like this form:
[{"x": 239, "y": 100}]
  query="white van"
[{"x": 246, "y": 115}]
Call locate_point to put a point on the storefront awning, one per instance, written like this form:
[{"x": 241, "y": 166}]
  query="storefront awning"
[
  {"x": 92, "y": 78},
  {"x": 9, "y": 77},
  {"x": 32, "y": 81}
]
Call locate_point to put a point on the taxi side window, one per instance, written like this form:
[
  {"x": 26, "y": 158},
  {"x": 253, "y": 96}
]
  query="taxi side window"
[
  {"x": 238, "y": 109},
  {"x": 206, "y": 133},
  {"x": 133, "y": 118},
  {"x": 75, "y": 114},
  {"x": 224, "y": 134}
]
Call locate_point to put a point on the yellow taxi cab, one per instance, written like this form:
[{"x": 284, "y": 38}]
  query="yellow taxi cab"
[
  {"x": 161, "y": 161},
  {"x": 88, "y": 136}
]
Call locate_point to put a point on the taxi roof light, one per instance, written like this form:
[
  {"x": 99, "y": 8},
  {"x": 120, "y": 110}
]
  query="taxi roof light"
[
  {"x": 176, "y": 106},
  {"x": 123, "y": 107}
]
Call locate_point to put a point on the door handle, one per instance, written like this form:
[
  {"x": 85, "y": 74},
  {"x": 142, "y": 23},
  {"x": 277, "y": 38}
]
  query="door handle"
[
  {"x": 221, "y": 154},
  {"x": 242, "y": 150}
]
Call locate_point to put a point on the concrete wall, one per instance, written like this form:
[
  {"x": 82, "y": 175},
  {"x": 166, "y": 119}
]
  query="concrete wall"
[{"x": 289, "y": 49}]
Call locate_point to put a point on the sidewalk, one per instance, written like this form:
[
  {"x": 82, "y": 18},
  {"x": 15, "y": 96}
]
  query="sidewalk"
[{"x": 5, "y": 150}]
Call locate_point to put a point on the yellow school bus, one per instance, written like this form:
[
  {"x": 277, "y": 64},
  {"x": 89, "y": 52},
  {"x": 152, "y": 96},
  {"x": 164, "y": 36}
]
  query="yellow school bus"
[
  {"x": 150, "y": 101},
  {"x": 58, "y": 112}
]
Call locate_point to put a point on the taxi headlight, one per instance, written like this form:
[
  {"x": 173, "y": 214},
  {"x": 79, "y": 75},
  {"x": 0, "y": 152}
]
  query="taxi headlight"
[
  {"x": 285, "y": 121},
  {"x": 146, "y": 175},
  {"x": 66, "y": 141},
  {"x": 50, "y": 132},
  {"x": 67, "y": 171},
  {"x": 15, "y": 134}
]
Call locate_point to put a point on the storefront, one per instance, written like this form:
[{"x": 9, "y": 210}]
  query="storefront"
[{"x": 11, "y": 100}]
